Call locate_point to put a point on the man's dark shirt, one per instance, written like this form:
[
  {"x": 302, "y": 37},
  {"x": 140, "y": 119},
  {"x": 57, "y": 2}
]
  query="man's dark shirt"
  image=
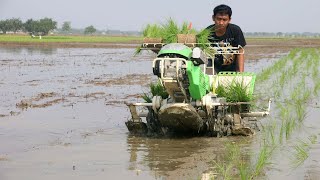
[{"x": 234, "y": 36}]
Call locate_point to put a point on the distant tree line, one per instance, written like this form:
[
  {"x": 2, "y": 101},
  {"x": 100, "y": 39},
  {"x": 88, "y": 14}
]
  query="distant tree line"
[
  {"x": 34, "y": 27},
  {"x": 66, "y": 28},
  {"x": 46, "y": 25},
  {"x": 281, "y": 34},
  {"x": 39, "y": 27}
]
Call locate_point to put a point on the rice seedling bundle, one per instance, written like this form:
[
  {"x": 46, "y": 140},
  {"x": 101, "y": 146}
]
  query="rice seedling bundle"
[{"x": 170, "y": 31}]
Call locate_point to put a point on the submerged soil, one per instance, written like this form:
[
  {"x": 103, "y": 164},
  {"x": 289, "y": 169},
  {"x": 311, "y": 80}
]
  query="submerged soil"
[{"x": 62, "y": 115}]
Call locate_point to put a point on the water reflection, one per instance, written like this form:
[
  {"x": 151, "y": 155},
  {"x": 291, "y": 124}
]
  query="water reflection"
[
  {"x": 42, "y": 50},
  {"x": 176, "y": 158},
  {"x": 12, "y": 50},
  {"x": 30, "y": 50}
]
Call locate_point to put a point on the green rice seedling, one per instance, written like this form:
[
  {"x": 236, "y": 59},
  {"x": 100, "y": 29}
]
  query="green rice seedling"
[
  {"x": 262, "y": 159},
  {"x": 316, "y": 58},
  {"x": 184, "y": 28},
  {"x": 303, "y": 80},
  {"x": 292, "y": 111},
  {"x": 293, "y": 53},
  {"x": 283, "y": 78},
  {"x": 301, "y": 153},
  {"x": 170, "y": 31},
  {"x": 221, "y": 91},
  {"x": 266, "y": 73},
  {"x": 289, "y": 127},
  {"x": 137, "y": 50},
  {"x": 244, "y": 170},
  {"x": 203, "y": 37},
  {"x": 300, "y": 111},
  {"x": 282, "y": 130},
  {"x": 268, "y": 133},
  {"x": 299, "y": 101},
  {"x": 187, "y": 29},
  {"x": 313, "y": 139},
  {"x": 232, "y": 160},
  {"x": 271, "y": 131},
  {"x": 147, "y": 98},
  {"x": 306, "y": 95},
  {"x": 167, "y": 31},
  {"x": 309, "y": 64},
  {"x": 304, "y": 54},
  {"x": 277, "y": 93},
  {"x": 288, "y": 75},
  {"x": 155, "y": 90},
  {"x": 312, "y": 58},
  {"x": 295, "y": 94},
  {"x": 295, "y": 68},
  {"x": 283, "y": 110},
  {"x": 234, "y": 92},
  {"x": 286, "y": 124},
  {"x": 316, "y": 87},
  {"x": 204, "y": 43},
  {"x": 315, "y": 72},
  {"x": 158, "y": 90},
  {"x": 276, "y": 67},
  {"x": 264, "y": 132},
  {"x": 152, "y": 31},
  {"x": 233, "y": 152},
  {"x": 224, "y": 170}
]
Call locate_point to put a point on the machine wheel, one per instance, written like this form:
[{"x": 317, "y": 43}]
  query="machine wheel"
[
  {"x": 220, "y": 127},
  {"x": 153, "y": 124},
  {"x": 229, "y": 132},
  {"x": 211, "y": 127}
]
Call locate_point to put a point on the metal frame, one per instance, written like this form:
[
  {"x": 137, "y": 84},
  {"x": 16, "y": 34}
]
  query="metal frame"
[
  {"x": 163, "y": 79},
  {"x": 220, "y": 48}
]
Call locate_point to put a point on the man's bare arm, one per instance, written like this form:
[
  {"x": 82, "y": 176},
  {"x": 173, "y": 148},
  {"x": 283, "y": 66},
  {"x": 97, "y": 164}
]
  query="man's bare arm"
[{"x": 240, "y": 61}]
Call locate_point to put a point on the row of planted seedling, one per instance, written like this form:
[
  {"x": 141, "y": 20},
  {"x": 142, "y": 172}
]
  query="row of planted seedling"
[
  {"x": 292, "y": 82},
  {"x": 292, "y": 98}
]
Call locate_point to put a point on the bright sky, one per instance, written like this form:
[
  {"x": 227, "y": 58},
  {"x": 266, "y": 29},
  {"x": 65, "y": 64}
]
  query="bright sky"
[{"x": 250, "y": 15}]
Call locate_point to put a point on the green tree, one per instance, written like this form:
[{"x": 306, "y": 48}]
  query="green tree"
[
  {"x": 89, "y": 30},
  {"x": 3, "y": 27},
  {"x": 31, "y": 26},
  {"x": 279, "y": 34},
  {"x": 40, "y": 27},
  {"x": 66, "y": 26},
  {"x": 15, "y": 24},
  {"x": 46, "y": 25}
]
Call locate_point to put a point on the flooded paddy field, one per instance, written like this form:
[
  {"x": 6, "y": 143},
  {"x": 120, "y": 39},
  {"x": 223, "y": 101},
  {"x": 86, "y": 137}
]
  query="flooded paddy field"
[{"x": 62, "y": 115}]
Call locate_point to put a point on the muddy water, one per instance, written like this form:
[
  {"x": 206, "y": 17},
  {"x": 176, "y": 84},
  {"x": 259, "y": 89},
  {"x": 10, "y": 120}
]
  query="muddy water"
[
  {"x": 281, "y": 163},
  {"x": 62, "y": 116}
]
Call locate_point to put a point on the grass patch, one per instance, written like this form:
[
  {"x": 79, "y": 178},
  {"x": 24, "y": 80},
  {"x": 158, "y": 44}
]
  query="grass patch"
[{"x": 70, "y": 39}]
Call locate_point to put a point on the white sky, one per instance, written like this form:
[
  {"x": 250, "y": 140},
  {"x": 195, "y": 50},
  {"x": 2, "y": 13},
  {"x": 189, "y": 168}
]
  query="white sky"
[{"x": 250, "y": 15}]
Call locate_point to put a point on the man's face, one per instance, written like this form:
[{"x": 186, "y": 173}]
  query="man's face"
[{"x": 221, "y": 20}]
